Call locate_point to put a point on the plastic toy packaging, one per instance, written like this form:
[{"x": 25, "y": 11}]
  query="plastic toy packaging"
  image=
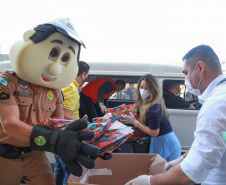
[
  {"x": 123, "y": 110},
  {"x": 117, "y": 134},
  {"x": 109, "y": 133},
  {"x": 100, "y": 125},
  {"x": 55, "y": 123}
]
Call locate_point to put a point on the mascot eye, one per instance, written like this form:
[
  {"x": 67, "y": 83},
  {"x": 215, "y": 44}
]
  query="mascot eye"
[
  {"x": 65, "y": 57},
  {"x": 54, "y": 52}
]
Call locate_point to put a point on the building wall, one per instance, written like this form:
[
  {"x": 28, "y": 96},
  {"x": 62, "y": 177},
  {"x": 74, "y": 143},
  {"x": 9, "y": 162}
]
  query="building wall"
[{"x": 4, "y": 57}]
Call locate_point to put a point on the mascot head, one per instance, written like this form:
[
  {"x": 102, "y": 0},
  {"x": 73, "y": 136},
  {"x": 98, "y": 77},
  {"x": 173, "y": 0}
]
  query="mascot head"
[{"x": 48, "y": 55}]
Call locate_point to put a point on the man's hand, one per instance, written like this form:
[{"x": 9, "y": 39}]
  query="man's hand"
[
  {"x": 67, "y": 144},
  {"x": 173, "y": 163},
  {"x": 131, "y": 119},
  {"x": 103, "y": 107},
  {"x": 140, "y": 180}
]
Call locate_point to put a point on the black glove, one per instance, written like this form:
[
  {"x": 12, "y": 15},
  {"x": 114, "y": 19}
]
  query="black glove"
[
  {"x": 67, "y": 144},
  {"x": 106, "y": 156}
]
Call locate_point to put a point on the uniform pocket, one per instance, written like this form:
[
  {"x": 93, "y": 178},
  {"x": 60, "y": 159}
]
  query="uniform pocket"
[
  {"x": 48, "y": 109},
  {"x": 24, "y": 105}
]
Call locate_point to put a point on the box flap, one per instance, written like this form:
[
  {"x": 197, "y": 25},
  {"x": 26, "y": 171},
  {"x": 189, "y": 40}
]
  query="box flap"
[{"x": 124, "y": 167}]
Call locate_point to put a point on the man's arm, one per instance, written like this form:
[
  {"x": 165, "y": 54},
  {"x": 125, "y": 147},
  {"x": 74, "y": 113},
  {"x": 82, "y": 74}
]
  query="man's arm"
[
  {"x": 191, "y": 107},
  {"x": 104, "y": 89},
  {"x": 68, "y": 114},
  {"x": 147, "y": 130},
  {"x": 71, "y": 101},
  {"x": 175, "y": 176},
  {"x": 174, "y": 162},
  {"x": 9, "y": 117}
]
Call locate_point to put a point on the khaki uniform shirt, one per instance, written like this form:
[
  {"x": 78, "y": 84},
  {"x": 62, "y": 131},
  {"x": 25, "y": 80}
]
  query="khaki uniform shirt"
[{"x": 35, "y": 103}]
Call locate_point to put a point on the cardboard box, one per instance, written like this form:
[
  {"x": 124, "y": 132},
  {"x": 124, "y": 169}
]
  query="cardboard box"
[{"x": 120, "y": 169}]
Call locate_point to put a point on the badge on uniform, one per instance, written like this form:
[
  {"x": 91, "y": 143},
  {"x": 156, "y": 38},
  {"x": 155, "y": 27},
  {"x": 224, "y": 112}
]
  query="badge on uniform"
[
  {"x": 4, "y": 81},
  {"x": 40, "y": 140},
  {"x": 4, "y": 95},
  {"x": 19, "y": 93},
  {"x": 50, "y": 95},
  {"x": 21, "y": 84},
  {"x": 22, "y": 81}
]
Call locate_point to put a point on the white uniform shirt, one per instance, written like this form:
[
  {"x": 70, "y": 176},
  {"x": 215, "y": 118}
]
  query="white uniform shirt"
[{"x": 206, "y": 160}]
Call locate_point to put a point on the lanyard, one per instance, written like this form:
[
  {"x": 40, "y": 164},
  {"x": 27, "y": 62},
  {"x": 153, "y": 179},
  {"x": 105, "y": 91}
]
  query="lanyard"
[{"x": 222, "y": 81}]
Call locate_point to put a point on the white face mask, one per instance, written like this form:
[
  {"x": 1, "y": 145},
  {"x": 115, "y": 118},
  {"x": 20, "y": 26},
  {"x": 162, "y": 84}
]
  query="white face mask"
[
  {"x": 196, "y": 92},
  {"x": 144, "y": 94}
]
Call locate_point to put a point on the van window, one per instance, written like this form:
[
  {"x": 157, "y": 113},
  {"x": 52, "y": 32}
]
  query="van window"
[
  {"x": 128, "y": 93},
  {"x": 176, "y": 95}
]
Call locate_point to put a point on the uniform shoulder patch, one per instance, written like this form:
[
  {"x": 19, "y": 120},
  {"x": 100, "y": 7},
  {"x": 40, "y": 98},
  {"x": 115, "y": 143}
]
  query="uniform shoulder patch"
[
  {"x": 4, "y": 81},
  {"x": 4, "y": 95}
]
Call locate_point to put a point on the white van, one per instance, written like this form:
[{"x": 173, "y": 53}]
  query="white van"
[{"x": 183, "y": 121}]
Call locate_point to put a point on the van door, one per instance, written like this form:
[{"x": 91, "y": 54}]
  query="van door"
[
  {"x": 184, "y": 124},
  {"x": 183, "y": 121}
]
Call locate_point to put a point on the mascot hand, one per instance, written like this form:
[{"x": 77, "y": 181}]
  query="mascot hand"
[{"x": 67, "y": 144}]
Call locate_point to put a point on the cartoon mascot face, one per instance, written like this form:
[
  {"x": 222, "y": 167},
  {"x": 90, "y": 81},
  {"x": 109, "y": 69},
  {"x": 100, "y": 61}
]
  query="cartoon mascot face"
[{"x": 48, "y": 55}]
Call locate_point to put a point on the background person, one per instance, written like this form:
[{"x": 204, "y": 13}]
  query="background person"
[
  {"x": 205, "y": 162},
  {"x": 71, "y": 112},
  {"x": 154, "y": 119},
  {"x": 94, "y": 96},
  {"x": 130, "y": 92},
  {"x": 71, "y": 94},
  {"x": 171, "y": 92}
]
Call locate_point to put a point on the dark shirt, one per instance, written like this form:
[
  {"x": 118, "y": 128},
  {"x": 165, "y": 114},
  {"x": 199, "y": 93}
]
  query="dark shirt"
[
  {"x": 129, "y": 93},
  {"x": 106, "y": 88},
  {"x": 157, "y": 118},
  {"x": 173, "y": 101}
]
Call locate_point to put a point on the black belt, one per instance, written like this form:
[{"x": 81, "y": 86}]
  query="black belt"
[{"x": 12, "y": 152}]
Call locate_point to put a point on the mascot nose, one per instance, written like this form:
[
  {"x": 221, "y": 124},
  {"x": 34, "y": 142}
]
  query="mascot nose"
[{"x": 55, "y": 69}]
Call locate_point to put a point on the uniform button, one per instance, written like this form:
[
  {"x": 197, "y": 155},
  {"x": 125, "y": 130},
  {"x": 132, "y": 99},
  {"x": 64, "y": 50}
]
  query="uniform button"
[
  {"x": 49, "y": 108},
  {"x": 34, "y": 109},
  {"x": 32, "y": 124},
  {"x": 36, "y": 94},
  {"x": 23, "y": 101}
]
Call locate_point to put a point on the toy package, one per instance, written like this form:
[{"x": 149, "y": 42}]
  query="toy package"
[
  {"x": 123, "y": 110},
  {"x": 55, "y": 123},
  {"x": 109, "y": 134},
  {"x": 117, "y": 134},
  {"x": 100, "y": 125}
]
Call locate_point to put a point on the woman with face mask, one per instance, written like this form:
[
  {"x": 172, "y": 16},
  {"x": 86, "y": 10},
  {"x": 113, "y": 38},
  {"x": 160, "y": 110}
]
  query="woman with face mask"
[{"x": 154, "y": 119}]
